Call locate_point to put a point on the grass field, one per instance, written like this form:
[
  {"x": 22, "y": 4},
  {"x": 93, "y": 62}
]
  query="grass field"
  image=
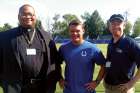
[{"x": 100, "y": 88}]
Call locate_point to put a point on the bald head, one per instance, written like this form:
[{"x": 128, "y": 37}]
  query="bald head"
[
  {"x": 26, "y": 16},
  {"x": 23, "y": 7}
]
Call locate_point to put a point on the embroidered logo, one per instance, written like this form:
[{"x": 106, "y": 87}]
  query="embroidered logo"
[
  {"x": 83, "y": 53},
  {"x": 119, "y": 50}
]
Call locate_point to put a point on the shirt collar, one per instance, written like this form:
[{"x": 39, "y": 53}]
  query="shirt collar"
[{"x": 122, "y": 37}]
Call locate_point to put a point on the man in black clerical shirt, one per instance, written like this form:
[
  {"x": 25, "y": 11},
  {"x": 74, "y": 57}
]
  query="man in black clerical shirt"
[{"x": 28, "y": 57}]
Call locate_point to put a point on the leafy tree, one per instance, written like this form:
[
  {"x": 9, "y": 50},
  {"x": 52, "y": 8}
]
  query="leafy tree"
[
  {"x": 6, "y": 27},
  {"x": 94, "y": 24},
  {"x": 87, "y": 18},
  {"x": 61, "y": 27},
  {"x": 69, "y": 17},
  {"x": 57, "y": 24},
  {"x": 1, "y": 29},
  {"x": 128, "y": 28},
  {"x": 56, "y": 17},
  {"x": 136, "y": 28},
  {"x": 106, "y": 29},
  {"x": 38, "y": 23}
]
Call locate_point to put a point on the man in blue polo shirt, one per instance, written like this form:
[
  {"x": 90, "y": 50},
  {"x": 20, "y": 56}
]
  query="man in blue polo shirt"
[
  {"x": 123, "y": 55},
  {"x": 80, "y": 57}
]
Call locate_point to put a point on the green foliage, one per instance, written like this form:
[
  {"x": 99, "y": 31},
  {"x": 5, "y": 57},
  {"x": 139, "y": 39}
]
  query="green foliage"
[
  {"x": 38, "y": 23},
  {"x": 1, "y": 29},
  {"x": 69, "y": 17},
  {"x": 136, "y": 28},
  {"x": 61, "y": 27},
  {"x": 5, "y": 27},
  {"x": 128, "y": 28},
  {"x": 57, "y": 24},
  {"x": 94, "y": 24},
  {"x": 106, "y": 29}
]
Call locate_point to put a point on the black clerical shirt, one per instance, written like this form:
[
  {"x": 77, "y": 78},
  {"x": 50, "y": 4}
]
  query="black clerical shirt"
[{"x": 31, "y": 64}]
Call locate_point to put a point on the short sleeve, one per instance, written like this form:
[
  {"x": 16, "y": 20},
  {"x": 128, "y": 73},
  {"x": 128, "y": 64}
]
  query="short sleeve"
[
  {"x": 136, "y": 53},
  {"x": 61, "y": 58},
  {"x": 99, "y": 57}
]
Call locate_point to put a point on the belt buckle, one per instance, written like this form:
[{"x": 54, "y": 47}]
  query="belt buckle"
[{"x": 32, "y": 80}]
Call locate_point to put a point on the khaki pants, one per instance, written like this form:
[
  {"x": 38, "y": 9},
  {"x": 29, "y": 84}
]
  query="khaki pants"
[{"x": 115, "y": 89}]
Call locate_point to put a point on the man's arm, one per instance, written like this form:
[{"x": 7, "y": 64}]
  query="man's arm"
[
  {"x": 100, "y": 74},
  {"x": 55, "y": 58},
  {"x": 92, "y": 85},
  {"x": 60, "y": 59},
  {"x": 132, "y": 82},
  {"x": 61, "y": 80},
  {"x": 135, "y": 79}
]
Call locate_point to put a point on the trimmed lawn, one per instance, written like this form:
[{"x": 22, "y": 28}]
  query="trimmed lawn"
[{"x": 100, "y": 88}]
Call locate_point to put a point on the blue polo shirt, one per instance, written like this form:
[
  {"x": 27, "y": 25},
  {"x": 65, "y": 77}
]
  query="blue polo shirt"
[
  {"x": 123, "y": 56},
  {"x": 80, "y": 61}
]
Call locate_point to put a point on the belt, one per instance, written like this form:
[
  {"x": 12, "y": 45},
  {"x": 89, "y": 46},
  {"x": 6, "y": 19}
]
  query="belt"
[
  {"x": 31, "y": 81},
  {"x": 111, "y": 87}
]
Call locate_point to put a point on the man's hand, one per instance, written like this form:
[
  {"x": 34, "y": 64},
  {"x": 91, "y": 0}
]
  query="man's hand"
[
  {"x": 62, "y": 83},
  {"x": 131, "y": 83},
  {"x": 126, "y": 86},
  {"x": 91, "y": 85}
]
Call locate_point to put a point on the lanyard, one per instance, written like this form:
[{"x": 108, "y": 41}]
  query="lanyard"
[{"x": 29, "y": 41}]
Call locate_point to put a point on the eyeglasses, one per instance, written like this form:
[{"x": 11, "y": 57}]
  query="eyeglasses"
[{"x": 24, "y": 15}]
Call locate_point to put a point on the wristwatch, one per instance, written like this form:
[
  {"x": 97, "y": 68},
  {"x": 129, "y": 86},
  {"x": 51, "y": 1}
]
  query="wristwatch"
[{"x": 97, "y": 81}]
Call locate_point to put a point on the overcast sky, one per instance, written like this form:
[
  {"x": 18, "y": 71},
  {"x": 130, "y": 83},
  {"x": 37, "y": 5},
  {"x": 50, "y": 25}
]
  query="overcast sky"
[{"x": 46, "y": 9}]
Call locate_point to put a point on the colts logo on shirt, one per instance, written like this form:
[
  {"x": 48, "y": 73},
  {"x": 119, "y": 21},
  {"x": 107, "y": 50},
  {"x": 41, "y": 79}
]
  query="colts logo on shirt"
[{"x": 83, "y": 53}]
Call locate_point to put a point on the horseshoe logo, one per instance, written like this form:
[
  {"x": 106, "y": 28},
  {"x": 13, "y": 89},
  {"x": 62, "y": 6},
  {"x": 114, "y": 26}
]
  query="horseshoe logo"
[{"x": 83, "y": 53}]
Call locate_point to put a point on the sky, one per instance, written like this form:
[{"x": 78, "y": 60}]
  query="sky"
[{"x": 46, "y": 9}]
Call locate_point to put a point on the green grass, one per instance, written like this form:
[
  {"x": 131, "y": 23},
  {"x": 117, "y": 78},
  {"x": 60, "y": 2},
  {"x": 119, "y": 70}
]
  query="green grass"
[{"x": 100, "y": 88}]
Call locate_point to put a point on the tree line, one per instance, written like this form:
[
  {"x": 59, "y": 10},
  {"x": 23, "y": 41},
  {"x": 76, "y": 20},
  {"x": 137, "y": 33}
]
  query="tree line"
[{"x": 94, "y": 25}]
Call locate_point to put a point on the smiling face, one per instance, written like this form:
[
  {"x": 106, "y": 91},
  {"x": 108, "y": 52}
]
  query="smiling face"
[
  {"x": 116, "y": 27},
  {"x": 27, "y": 17},
  {"x": 76, "y": 33}
]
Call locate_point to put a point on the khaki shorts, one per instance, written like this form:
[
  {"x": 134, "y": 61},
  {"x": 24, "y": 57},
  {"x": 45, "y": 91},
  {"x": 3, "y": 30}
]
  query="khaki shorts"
[{"x": 115, "y": 89}]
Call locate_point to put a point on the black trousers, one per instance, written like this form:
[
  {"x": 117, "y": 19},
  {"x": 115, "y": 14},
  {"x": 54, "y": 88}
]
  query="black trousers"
[
  {"x": 39, "y": 86},
  {"x": 11, "y": 86},
  {"x": 36, "y": 87},
  {"x": 33, "y": 86}
]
